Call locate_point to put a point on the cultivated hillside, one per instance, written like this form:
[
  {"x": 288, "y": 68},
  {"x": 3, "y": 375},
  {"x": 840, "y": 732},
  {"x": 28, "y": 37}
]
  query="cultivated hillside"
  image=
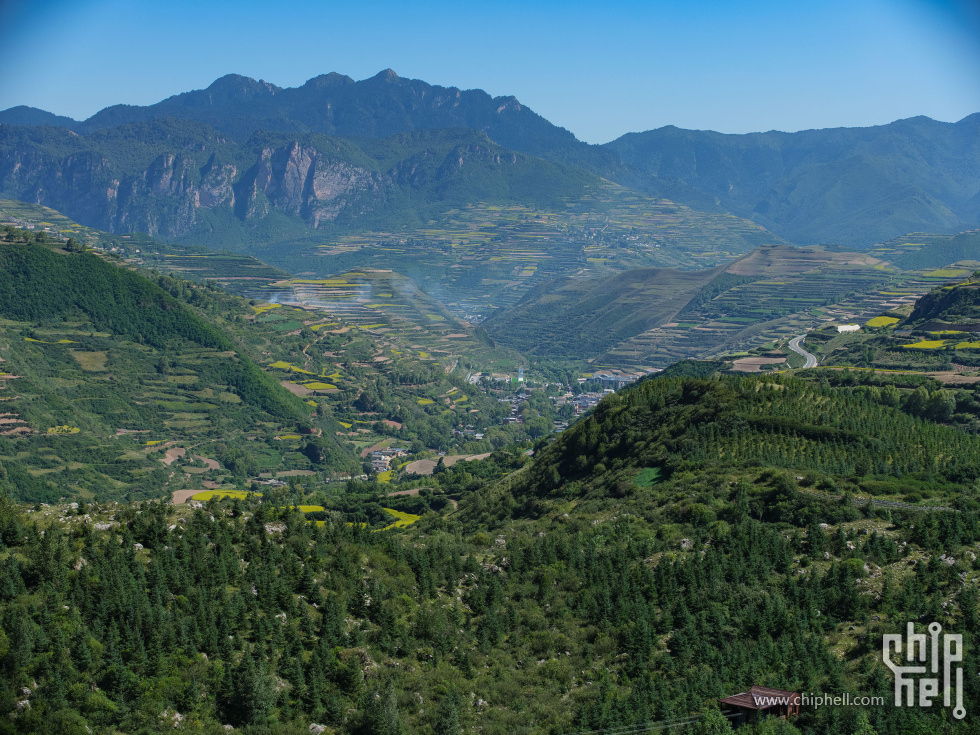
[
  {"x": 104, "y": 370},
  {"x": 654, "y": 317}
]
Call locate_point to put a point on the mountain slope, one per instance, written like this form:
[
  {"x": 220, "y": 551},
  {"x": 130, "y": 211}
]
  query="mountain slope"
[
  {"x": 166, "y": 177},
  {"x": 851, "y": 186},
  {"x": 654, "y": 317}
]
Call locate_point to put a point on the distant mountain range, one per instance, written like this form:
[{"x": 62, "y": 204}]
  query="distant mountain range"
[
  {"x": 849, "y": 186},
  {"x": 853, "y": 187}
]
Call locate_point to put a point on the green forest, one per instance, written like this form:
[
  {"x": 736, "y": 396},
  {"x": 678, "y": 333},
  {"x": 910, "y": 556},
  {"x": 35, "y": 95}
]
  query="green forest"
[{"x": 642, "y": 565}]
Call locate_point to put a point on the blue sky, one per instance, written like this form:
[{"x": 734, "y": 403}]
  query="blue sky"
[{"x": 599, "y": 70}]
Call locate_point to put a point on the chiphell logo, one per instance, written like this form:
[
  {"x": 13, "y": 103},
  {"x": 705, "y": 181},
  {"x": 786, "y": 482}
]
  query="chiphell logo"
[{"x": 926, "y": 649}]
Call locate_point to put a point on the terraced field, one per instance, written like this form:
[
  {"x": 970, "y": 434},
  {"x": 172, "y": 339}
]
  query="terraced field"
[
  {"x": 480, "y": 259},
  {"x": 773, "y": 293},
  {"x": 389, "y": 306},
  {"x": 235, "y": 273}
]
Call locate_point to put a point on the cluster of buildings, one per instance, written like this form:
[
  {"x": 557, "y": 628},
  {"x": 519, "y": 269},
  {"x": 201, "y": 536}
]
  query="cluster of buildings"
[
  {"x": 469, "y": 431},
  {"x": 515, "y": 407},
  {"x": 381, "y": 459}
]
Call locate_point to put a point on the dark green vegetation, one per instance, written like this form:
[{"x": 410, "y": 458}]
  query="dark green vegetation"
[
  {"x": 658, "y": 555},
  {"x": 852, "y": 187},
  {"x": 866, "y": 429}
]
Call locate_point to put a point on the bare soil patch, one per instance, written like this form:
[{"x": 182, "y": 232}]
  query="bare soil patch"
[
  {"x": 182, "y": 496},
  {"x": 955, "y": 378},
  {"x": 211, "y": 463},
  {"x": 426, "y": 466},
  {"x": 754, "y": 364},
  {"x": 450, "y": 461},
  {"x": 421, "y": 466},
  {"x": 172, "y": 455},
  {"x": 296, "y": 390}
]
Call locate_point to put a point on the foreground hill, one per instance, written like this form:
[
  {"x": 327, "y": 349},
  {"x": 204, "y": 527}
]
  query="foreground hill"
[
  {"x": 685, "y": 542},
  {"x": 850, "y": 186}
]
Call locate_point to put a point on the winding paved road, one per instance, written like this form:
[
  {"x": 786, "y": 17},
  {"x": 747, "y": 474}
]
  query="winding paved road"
[{"x": 794, "y": 344}]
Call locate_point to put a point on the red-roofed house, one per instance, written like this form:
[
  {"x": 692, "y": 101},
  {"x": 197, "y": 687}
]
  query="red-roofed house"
[{"x": 759, "y": 703}]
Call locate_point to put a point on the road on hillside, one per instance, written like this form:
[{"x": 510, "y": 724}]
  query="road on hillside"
[{"x": 794, "y": 344}]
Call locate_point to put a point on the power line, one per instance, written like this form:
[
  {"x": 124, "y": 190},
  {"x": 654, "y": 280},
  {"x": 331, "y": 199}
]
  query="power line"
[
  {"x": 650, "y": 725},
  {"x": 642, "y": 727}
]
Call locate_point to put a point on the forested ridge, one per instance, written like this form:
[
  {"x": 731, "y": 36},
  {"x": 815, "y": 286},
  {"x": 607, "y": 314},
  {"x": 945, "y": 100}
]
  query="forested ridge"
[
  {"x": 638, "y": 584},
  {"x": 844, "y": 435}
]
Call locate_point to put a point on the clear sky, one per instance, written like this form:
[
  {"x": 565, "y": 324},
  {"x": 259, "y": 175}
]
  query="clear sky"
[{"x": 598, "y": 69}]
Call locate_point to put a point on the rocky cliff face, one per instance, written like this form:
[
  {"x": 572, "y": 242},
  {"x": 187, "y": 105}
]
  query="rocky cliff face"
[
  {"x": 167, "y": 178},
  {"x": 301, "y": 181},
  {"x": 166, "y": 197}
]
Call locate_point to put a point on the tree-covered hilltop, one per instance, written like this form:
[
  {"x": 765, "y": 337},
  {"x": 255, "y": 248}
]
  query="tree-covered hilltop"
[
  {"x": 957, "y": 305},
  {"x": 846, "y": 437},
  {"x": 632, "y": 588},
  {"x": 38, "y": 284}
]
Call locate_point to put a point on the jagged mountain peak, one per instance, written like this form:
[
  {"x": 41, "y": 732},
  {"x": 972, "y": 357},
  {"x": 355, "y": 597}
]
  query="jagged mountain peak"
[{"x": 387, "y": 75}]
